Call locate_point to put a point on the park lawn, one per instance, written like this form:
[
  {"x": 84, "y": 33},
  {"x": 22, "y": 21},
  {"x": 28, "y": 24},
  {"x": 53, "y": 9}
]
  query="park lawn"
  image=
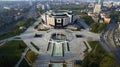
[
  {"x": 88, "y": 19},
  {"x": 98, "y": 27},
  {"x": 11, "y": 52},
  {"x": 31, "y": 56},
  {"x": 98, "y": 57},
  {"x": 108, "y": 61}
]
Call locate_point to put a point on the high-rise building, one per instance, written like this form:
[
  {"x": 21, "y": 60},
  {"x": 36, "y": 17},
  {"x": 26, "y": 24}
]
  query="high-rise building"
[
  {"x": 99, "y": 1},
  {"x": 98, "y": 6},
  {"x": 30, "y": 3}
]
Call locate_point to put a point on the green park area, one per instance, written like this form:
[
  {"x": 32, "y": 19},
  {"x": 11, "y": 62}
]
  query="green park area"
[
  {"x": 97, "y": 27},
  {"x": 11, "y": 52},
  {"x": 98, "y": 57},
  {"x": 16, "y": 31},
  {"x": 31, "y": 56},
  {"x": 88, "y": 19}
]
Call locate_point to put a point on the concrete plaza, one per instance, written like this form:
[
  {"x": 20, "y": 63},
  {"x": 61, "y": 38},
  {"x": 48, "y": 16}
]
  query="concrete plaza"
[{"x": 76, "y": 45}]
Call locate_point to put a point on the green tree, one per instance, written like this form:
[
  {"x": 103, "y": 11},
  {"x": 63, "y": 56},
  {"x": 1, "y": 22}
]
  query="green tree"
[
  {"x": 114, "y": 15},
  {"x": 88, "y": 19},
  {"x": 107, "y": 61},
  {"x": 20, "y": 23},
  {"x": 97, "y": 27}
]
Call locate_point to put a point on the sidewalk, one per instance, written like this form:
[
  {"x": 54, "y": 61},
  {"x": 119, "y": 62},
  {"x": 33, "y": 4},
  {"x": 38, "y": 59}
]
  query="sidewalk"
[
  {"x": 83, "y": 24},
  {"x": 22, "y": 57}
]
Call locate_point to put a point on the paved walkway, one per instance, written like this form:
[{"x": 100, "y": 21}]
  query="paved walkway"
[
  {"x": 22, "y": 57},
  {"x": 2, "y": 42},
  {"x": 83, "y": 24}
]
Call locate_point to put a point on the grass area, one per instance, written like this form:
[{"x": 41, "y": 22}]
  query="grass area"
[
  {"x": 108, "y": 61},
  {"x": 93, "y": 44},
  {"x": 97, "y": 27},
  {"x": 36, "y": 47},
  {"x": 31, "y": 56},
  {"x": 87, "y": 19},
  {"x": 24, "y": 64},
  {"x": 11, "y": 52},
  {"x": 98, "y": 57}
]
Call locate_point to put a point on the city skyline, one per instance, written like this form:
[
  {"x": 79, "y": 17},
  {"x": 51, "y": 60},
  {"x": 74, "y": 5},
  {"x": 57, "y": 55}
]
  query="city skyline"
[{"x": 58, "y": 0}]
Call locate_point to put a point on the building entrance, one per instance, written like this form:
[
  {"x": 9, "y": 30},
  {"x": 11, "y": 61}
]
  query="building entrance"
[{"x": 58, "y": 23}]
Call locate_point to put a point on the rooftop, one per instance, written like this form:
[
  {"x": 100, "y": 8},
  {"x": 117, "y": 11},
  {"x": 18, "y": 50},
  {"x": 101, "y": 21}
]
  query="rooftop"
[{"x": 62, "y": 13}]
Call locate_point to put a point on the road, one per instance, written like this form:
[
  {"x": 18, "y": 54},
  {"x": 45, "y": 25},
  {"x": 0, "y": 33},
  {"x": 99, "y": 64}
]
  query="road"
[{"x": 108, "y": 41}]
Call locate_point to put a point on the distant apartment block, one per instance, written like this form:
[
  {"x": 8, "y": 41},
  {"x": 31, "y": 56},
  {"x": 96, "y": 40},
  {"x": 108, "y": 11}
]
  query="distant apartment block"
[{"x": 97, "y": 8}]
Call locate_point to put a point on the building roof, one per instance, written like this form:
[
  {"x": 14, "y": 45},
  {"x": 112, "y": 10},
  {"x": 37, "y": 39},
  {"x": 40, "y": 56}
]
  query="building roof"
[{"x": 60, "y": 13}]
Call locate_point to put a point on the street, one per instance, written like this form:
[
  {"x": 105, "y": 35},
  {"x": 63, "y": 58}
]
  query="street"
[{"x": 108, "y": 41}]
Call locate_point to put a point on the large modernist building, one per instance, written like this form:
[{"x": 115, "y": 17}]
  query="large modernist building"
[{"x": 58, "y": 18}]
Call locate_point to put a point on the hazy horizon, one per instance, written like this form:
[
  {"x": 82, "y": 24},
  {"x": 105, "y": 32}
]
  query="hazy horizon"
[{"x": 58, "y": 0}]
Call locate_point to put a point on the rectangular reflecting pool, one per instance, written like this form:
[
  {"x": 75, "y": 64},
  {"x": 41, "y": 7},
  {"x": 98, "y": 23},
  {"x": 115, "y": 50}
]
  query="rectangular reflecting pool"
[
  {"x": 57, "y": 49},
  {"x": 57, "y": 65}
]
